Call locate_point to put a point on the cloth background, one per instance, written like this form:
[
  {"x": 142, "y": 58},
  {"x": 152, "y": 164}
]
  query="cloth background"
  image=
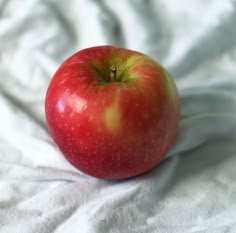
[{"x": 193, "y": 190}]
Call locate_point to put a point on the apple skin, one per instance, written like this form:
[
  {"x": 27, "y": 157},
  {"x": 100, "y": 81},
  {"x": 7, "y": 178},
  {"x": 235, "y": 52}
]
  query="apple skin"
[{"x": 112, "y": 124}]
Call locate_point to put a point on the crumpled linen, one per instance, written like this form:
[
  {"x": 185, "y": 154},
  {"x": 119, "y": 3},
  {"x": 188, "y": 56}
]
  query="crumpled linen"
[{"x": 192, "y": 190}]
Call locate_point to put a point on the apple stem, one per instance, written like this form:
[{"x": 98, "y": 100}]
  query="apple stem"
[{"x": 112, "y": 73}]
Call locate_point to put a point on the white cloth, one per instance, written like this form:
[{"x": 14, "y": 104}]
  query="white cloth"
[{"x": 193, "y": 190}]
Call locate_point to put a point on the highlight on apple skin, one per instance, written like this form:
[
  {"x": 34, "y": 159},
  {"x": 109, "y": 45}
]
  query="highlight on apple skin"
[{"x": 112, "y": 112}]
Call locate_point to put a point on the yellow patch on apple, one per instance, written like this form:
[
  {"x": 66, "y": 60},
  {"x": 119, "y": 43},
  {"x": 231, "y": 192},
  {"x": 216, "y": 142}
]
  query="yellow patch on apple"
[
  {"x": 112, "y": 117},
  {"x": 170, "y": 85}
]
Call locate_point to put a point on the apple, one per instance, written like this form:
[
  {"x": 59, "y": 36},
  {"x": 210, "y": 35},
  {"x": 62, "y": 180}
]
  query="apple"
[{"x": 112, "y": 112}]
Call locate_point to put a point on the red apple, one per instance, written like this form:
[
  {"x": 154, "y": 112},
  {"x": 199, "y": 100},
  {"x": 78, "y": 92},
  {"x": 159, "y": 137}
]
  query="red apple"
[{"x": 112, "y": 112}]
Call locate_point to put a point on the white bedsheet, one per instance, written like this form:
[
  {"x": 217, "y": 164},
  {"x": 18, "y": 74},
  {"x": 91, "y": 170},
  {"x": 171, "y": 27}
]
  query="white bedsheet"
[{"x": 193, "y": 190}]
